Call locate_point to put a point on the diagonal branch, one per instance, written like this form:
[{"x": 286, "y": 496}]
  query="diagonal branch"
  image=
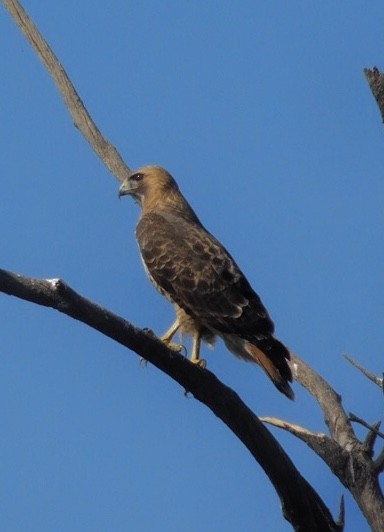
[
  {"x": 302, "y": 506},
  {"x": 375, "y": 79},
  {"x": 325, "y": 447},
  {"x": 329, "y": 401},
  {"x": 371, "y": 376},
  {"x": 81, "y": 118},
  {"x": 299, "y": 431},
  {"x": 373, "y": 429}
]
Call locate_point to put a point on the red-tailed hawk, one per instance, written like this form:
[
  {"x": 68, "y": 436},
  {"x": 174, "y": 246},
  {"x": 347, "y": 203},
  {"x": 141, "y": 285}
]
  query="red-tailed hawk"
[{"x": 196, "y": 273}]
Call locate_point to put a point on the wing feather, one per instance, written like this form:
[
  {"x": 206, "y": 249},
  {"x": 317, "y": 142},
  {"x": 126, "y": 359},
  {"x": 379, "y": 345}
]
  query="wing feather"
[{"x": 191, "y": 268}]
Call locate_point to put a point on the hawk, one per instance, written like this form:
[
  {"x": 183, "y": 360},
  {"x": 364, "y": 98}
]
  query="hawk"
[{"x": 190, "y": 267}]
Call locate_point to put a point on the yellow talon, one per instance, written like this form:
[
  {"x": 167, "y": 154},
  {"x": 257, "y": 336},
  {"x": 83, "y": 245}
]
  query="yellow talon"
[
  {"x": 201, "y": 362},
  {"x": 166, "y": 338},
  {"x": 195, "y": 355},
  {"x": 174, "y": 346}
]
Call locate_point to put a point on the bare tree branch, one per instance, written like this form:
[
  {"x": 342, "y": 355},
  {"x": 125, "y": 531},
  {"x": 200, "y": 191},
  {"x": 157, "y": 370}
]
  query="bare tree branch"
[
  {"x": 299, "y": 431},
  {"x": 371, "y": 376},
  {"x": 341, "y": 517},
  {"x": 345, "y": 455},
  {"x": 373, "y": 429},
  {"x": 301, "y": 504},
  {"x": 371, "y": 437},
  {"x": 378, "y": 464},
  {"x": 376, "y": 83},
  {"x": 329, "y": 401},
  {"x": 336, "y": 458},
  {"x": 81, "y": 118},
  {"x": 348, "y": 458}
]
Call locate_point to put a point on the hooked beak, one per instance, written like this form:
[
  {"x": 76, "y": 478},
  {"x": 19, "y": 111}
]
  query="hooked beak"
[{"x": 126, "y": 187}]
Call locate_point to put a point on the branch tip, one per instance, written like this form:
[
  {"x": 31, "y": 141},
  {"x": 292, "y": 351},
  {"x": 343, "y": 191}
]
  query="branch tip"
[
  {"x": 340, "y": 521},
  {"x": 375, "y": 80},
  {"x": 373, "y": 429},
  {"x": 371, "y": 376},
  {"x": 378, "y": 464}
]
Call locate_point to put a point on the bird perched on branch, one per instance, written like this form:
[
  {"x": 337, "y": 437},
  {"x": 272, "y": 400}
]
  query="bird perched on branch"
[{"x": 196, "y": 273}]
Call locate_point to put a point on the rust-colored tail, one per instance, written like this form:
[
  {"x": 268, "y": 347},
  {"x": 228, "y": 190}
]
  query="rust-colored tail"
[{"x": 272, "y": 356}]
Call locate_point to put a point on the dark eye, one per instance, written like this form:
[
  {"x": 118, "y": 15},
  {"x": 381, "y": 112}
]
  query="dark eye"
[{"x": 137, "y": 177}]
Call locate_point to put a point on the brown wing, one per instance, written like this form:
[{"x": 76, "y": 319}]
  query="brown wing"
[{"x": 190, "y": 267}]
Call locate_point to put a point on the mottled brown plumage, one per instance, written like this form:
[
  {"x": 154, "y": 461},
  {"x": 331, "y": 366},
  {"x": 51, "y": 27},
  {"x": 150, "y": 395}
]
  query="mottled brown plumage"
[{"x": 196, "y": 273}]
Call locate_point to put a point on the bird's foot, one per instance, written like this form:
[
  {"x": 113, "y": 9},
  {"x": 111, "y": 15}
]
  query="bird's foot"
[
  {"x": 179, "y": 348},
  {"x": 201, "y": 362},
  {"x": 143, "y": 362}
]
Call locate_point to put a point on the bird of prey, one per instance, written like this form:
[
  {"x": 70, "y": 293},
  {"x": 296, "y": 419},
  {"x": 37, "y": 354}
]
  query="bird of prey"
[{"x": 196, "y": 273}]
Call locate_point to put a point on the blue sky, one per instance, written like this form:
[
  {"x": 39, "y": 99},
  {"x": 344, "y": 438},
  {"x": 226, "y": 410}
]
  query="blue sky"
[{"x": 261, "y": 112}]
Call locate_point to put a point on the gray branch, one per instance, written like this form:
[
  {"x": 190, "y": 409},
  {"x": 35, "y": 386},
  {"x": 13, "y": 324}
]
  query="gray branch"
[
  {"x": 371, "y": 376},
  {"x": 375, "y": 79},
  {"x": 329, "y": 401},
  {"x": 347, "y": 457},
  {"x": 81, "y": 118}
]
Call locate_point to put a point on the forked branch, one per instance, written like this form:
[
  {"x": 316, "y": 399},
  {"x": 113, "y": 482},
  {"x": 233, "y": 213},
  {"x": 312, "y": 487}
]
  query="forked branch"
[{"x": 301, "y": 504}]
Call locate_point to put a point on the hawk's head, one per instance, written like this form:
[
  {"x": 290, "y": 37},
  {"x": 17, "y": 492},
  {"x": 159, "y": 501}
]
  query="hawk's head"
[
  {"x": 148, "y": 184},
  {"x": 155, "y": 189}
]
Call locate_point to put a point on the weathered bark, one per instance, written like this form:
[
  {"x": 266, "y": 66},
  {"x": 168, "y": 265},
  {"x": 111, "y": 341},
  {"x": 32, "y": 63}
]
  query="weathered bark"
[
  {"x": 376, "y": 82},
  {"x": 349, "y": 459}
]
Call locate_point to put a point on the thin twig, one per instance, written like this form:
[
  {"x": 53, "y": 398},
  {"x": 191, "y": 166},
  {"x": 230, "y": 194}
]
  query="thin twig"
[
  {"x": 371, "y": 376},
  {"x": 372, "y": 428},
  {"x": 293, "y": 428},
  {"x": 370, "y": 439}
]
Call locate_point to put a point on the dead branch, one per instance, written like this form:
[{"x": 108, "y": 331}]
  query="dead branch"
[
  {"x": 373, "y": 429},
  {"x": 329, "y": 401},
  {"x": 378, "y": 464},
  {"x": 301, "y": 505},
  {"x": 371, "y": 376},
  {"x": 370, "y": 439},
  {"x": 81, "y": 118},
  {"x": 341, "y": 517},
  {"x": 336, "y": 458},
  {"x": 299, "y": 431},
  {"x": 375, "y": 79},
  {"x": 348, "y": 458}
]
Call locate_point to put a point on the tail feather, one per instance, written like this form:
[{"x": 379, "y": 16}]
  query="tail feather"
[{"x": 272, "y": 356}]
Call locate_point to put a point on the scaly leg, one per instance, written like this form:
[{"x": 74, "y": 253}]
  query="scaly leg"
[
  {"x": 169, "y": 334},
  {"x": 195, "y": 355}
]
